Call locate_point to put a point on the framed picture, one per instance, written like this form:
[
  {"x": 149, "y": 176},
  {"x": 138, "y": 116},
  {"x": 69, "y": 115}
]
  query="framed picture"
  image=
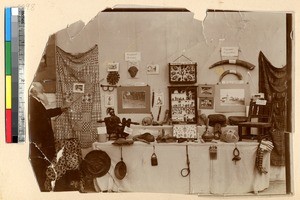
[
  {"x": 231, "y": 97},
  {"x": 152, "y": 69},
  {"x": 182, "y": 73},
  {"x": 183, "y": 104},
  {"x": 206, "y": 102},
  {"x": 109, "y": 100},
  {"x": 78, "y": 87},
  {"x": 205, "y": 90},
  {"x": 133, "y": 99},
  {"x": 112, "y": 67}
]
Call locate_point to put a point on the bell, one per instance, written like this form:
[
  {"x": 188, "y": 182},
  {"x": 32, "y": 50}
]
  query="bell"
[
  {"x": 154, "y": 160},
  {"x": 213, "y": 150}
]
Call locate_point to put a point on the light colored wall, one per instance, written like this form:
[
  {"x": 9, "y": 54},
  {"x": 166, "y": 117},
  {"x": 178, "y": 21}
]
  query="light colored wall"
[{"x": 163, "y": 37}]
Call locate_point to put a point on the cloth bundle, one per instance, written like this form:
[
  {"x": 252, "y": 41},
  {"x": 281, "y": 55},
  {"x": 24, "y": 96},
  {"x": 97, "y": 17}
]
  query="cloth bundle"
[
  {"x": 263, "y": 147},
  {"x": 146, "y": 137}
]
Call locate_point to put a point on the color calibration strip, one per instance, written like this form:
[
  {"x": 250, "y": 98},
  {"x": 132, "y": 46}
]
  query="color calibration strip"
[{"x": 14, "y": 75}]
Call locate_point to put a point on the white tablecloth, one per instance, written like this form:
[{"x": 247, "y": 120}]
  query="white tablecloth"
[{"x": 220, "y": 176}]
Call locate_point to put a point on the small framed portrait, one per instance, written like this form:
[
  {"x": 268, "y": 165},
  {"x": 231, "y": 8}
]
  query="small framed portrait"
[
  {"x": 112, "y": 67},
  {"x": 205, "y": 90},
  {"x": 206, "y": 102},
  {"x": 78, "y": 87},
  {"x": 109, "y": 100},
  {"x": 152, "y": 69}
]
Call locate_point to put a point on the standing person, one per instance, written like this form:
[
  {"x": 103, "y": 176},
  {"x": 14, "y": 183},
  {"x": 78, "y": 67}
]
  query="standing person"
[{"x": 42, "y": 147}]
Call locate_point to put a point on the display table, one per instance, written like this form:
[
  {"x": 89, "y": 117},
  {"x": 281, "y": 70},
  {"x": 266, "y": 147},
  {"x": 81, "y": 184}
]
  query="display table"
[{"x": 219, "y": 176}]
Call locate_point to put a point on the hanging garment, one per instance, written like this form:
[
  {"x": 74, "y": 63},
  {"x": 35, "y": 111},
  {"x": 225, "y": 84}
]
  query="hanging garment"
[
  {"x": 273, "y": 83},
  {"x": 78, "y": 87}
]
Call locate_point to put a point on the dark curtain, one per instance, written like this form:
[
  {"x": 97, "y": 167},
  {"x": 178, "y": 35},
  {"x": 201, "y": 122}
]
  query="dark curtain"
[{"x": 273, "y": 83}]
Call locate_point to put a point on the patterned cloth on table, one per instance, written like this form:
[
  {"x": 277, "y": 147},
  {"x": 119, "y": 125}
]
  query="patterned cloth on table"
[{"x": 85, "y": 107}]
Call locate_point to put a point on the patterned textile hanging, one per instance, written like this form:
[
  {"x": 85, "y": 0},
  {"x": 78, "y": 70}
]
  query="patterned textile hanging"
[
  {"x": 273, "y": 83},
  {"x": 78, "y": 86}
]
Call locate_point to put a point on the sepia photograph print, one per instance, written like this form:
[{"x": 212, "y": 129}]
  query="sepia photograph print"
[
  {"x": 206, "y": 90},
  {"x": 232, "y": 97},
  {"x": 89, "y": 165},
  {"x": 133, "y": 99},
  {"x": 78, "y": 88},
  {"x": 113, "y": 67},
  {"x": 98, "y": 165},
  {"x": 206, "y": 102},
  {"x": 169, "y": 129}
]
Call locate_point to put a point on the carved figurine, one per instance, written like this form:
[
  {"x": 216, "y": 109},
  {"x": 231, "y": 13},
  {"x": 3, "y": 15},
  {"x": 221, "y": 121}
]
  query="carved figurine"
[{"x": 113, "y": 124}]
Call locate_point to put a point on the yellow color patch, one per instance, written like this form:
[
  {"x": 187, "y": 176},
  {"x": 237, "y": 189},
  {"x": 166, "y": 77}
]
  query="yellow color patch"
[{"x": 8, "y": 92}]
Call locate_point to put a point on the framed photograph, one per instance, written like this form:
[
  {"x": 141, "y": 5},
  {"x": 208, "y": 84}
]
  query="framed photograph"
[
  {"x": 206, "y": 102},
  {"x": 133, "y": 99},
  {"x": 231, "y": 97},
  {"x": 78, "y": 87},
  {"x": 152, "y": 69},
  {"x": 109, "y": 100},
  {"x": 182, "y": 73},
  {"x": 205, "y": 90},
  {"x": 183, "y": 104},
  {"x": 113, "y": 67}
]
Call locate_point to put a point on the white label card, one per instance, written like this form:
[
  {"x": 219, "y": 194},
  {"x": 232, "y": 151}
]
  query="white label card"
[
  {"x": 132, "y": 56},
  {"x": 230, "y": 51}
]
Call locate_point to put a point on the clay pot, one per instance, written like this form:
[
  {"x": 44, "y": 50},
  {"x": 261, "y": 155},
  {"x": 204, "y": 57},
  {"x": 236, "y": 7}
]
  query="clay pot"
[{"x": 207, "y": 136}]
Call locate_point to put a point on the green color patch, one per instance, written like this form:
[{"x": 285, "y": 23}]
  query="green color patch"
[{"x": 8, "y": 58}]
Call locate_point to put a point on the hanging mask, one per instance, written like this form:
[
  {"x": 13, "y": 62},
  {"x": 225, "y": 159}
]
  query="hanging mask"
[{"x": 133, "y": 71}]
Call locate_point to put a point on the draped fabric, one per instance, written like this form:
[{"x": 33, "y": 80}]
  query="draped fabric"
[
  {"x": 78, "y": 87},
  {"x": 220, "y": 176},
  {"x": 273, "y": 83},
  {"x": 68, "y": 162}
]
